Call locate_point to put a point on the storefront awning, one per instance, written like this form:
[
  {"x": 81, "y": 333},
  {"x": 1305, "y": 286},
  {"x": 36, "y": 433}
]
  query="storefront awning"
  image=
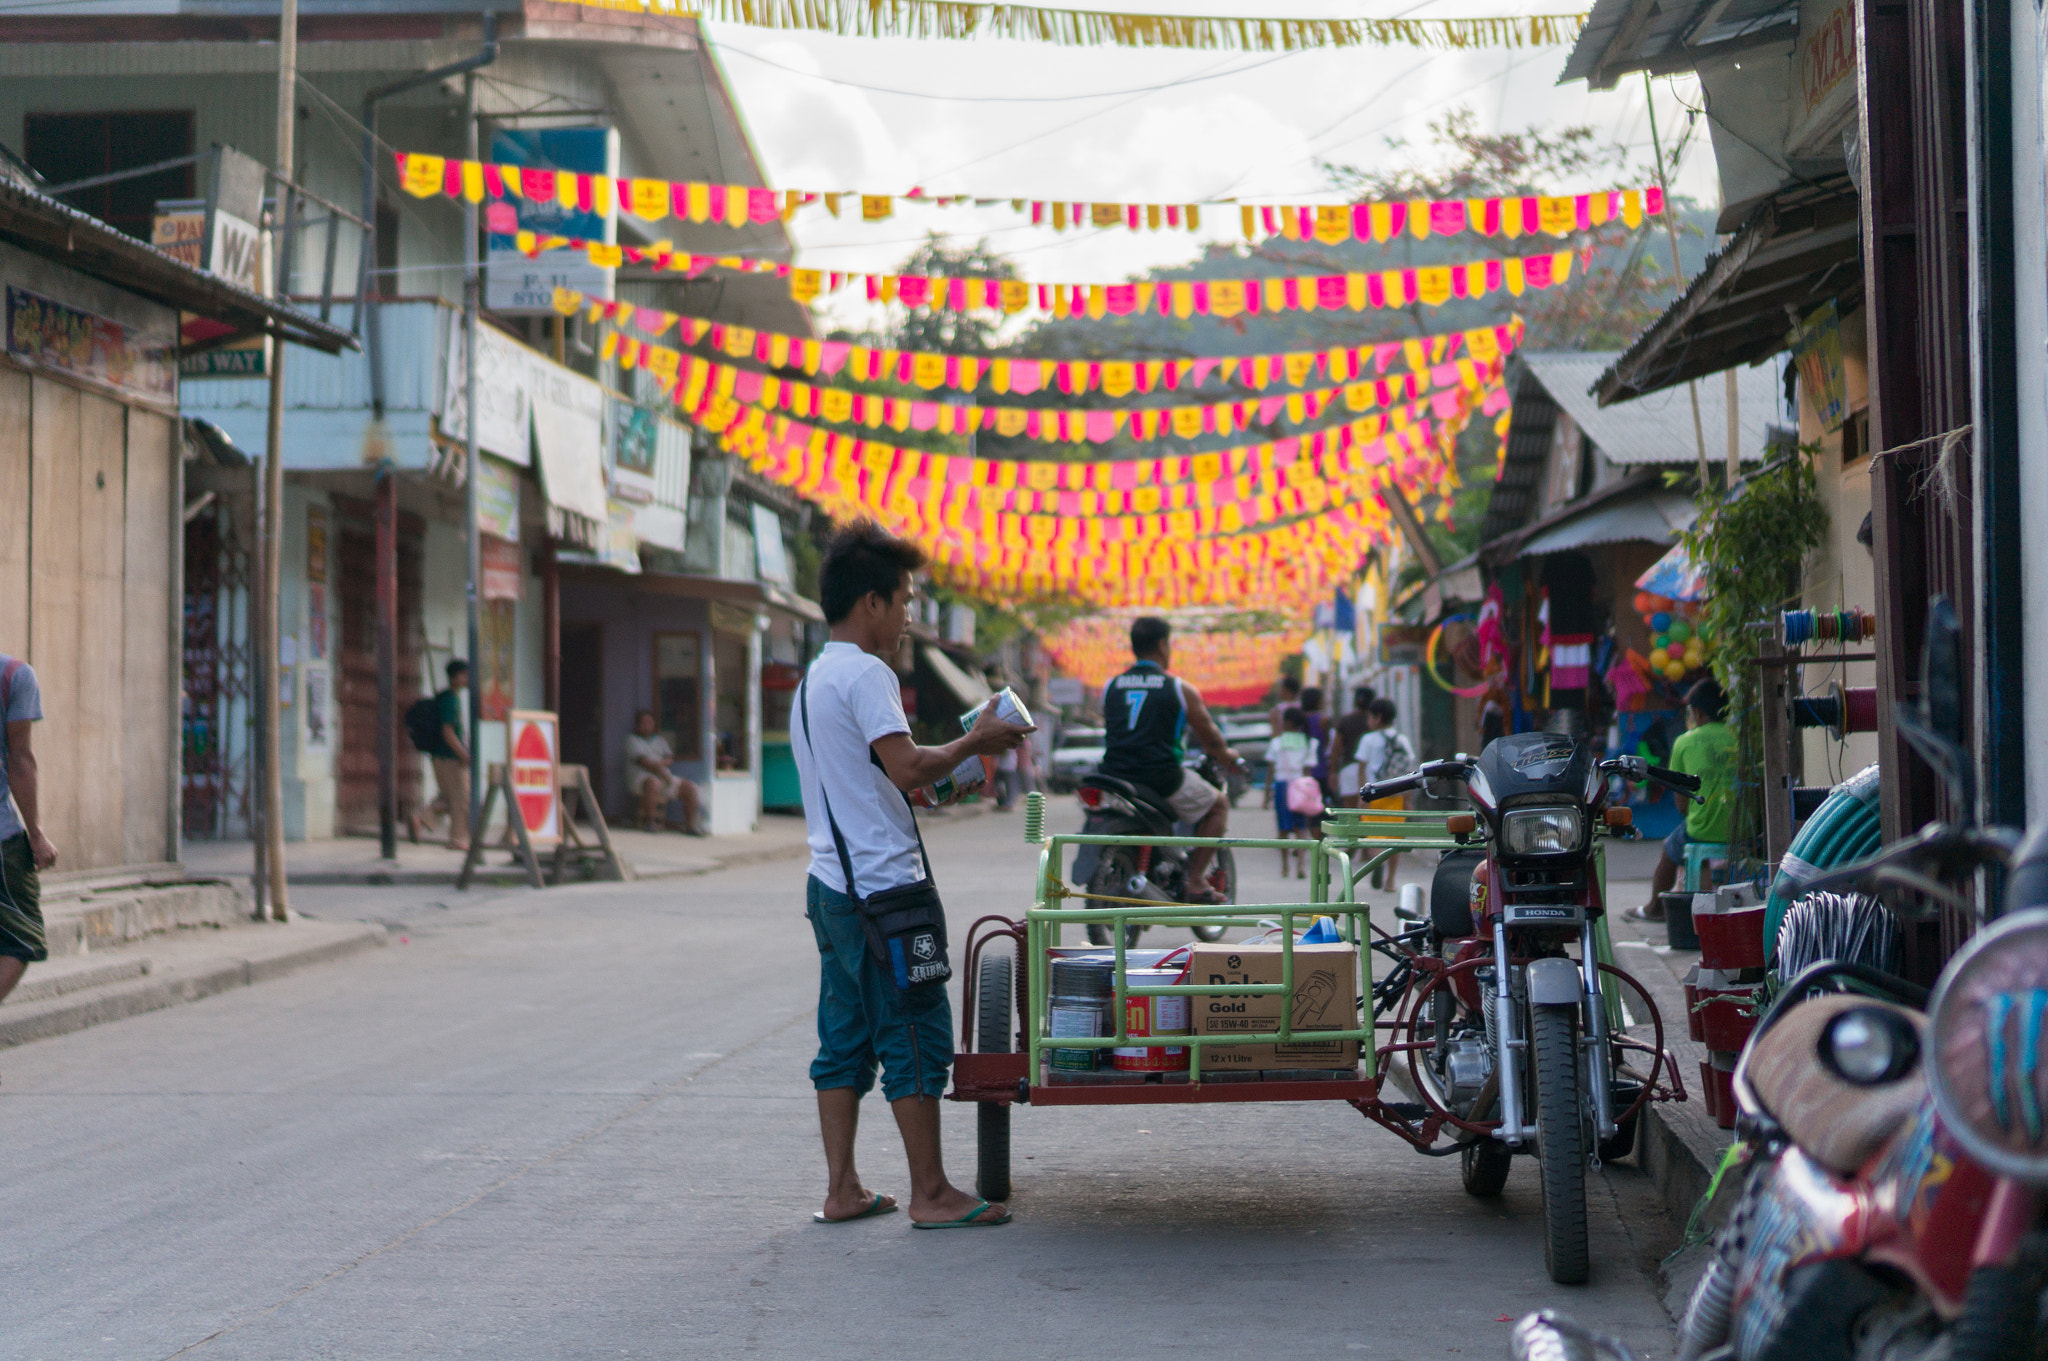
[
  {"x": 1637, "y": 509},
  {"x": 703, "y": 588},
  {"x": 1797, "y": 251},
  {"x": 969, "y": 689},
  {"x": 1656, "y": 518}
]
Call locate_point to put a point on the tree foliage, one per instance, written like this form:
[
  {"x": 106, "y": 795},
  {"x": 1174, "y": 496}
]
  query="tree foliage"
[
  {"x": 1749, "y": 545},
  {"x": 940, "y": 330}
]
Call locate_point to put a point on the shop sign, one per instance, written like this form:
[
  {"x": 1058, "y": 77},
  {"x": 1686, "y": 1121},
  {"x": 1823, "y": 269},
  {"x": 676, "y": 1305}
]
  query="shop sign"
[
  {"x": 536, "y": 785},
  {"x": 514, "y": 283},
  {"x": 499, "y": 558},
  {"x": 497, "y": 499},
  {"x": 1817, "y": 350},
  {"x": 46, "y": 334},
  {"x": 635, "y": 438},
  {"x": 1827, "y": 48}
]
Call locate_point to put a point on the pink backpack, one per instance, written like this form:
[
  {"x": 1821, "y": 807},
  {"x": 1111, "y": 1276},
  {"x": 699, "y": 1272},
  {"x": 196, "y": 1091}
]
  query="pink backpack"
[{"x": 1305, "y": 796}]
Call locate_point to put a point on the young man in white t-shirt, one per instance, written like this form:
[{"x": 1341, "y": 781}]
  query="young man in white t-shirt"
[{"x": 854, "y": 754}]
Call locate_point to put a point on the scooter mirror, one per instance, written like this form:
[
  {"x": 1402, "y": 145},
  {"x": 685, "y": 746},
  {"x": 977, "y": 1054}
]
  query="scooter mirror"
[{"x": 1941, "y": 671}]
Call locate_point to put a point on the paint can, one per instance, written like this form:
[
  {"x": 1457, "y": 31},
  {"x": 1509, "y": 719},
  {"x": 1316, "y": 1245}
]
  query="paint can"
[
  {"x": 1152, "y": 1017},
  {"x": 1083, "y": 997}
]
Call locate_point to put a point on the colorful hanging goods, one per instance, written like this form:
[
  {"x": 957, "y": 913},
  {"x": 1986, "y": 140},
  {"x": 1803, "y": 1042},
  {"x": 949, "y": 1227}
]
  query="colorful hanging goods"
[
  {"x": 1429, "y": 662},
  {"x": 1852, "y": 625},
  {"x": 1424, "y": 358},
  {"x": 746, "y": 205}
]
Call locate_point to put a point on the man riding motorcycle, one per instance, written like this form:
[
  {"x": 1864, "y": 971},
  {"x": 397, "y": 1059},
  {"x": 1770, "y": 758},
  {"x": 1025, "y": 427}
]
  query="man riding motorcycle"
[{"x": 1147, "y": 714}]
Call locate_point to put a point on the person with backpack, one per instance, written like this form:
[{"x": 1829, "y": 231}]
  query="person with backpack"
[
  {"x": 24, "y": 851},
  {"x": 1382, "y": 754},
  {"x": 435, "y": 727}
]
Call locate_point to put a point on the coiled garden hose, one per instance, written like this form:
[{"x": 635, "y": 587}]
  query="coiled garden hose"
[{"x": 1844, "y": 828}]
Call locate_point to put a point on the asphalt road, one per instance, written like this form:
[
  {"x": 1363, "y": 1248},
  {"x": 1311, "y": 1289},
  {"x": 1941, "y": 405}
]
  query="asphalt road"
[{"x": 577, "y": 1125}]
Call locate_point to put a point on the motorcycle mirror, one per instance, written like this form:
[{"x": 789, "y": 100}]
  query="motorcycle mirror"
[
  {"x": 1934, "y": 727},
  {"x": 1941, "y": 670}
]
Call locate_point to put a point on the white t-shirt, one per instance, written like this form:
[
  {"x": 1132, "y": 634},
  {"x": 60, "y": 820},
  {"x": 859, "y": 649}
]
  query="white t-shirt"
[
  {"x": 638, "y": 748},
  {"x": 854, "y": 700}
]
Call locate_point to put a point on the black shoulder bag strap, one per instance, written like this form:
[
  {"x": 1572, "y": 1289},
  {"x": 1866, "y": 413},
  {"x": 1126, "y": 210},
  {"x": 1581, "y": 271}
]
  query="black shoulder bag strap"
[{"x": 905, "y": 926}]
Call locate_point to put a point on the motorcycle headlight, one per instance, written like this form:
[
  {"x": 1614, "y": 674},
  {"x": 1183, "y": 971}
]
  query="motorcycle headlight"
[
  {"x": 1869, "y": 1046},
  {"x": 1539, "y": 831}
]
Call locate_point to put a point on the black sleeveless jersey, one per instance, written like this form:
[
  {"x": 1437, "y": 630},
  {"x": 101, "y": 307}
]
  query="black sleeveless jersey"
[{"x": 1146, "y": 724}]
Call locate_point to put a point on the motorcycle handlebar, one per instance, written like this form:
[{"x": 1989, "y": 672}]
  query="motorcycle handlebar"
[
  {"x": 1636, "y": 768},
  {"x": 1943, "y": 847},
  {"x": 1449, "y": 768}
]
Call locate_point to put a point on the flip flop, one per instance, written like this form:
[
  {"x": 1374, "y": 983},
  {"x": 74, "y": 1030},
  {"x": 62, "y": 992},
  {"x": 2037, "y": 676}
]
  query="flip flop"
[
  {"x": 875, "y": 1207},
  {"x": 967, "y": 1221},
  {"x": 1636, "y": 914}
]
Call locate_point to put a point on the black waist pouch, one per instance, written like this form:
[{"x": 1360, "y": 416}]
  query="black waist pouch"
[
  {"x": 905, "y": 927},
  {"x": 906, "y": 931}
]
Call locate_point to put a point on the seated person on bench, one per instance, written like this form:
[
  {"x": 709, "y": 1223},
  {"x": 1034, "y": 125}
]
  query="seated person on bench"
[{"x": 652, "y": 782}]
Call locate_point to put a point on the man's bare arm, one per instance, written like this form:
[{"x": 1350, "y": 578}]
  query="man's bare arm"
[
  {"x": 910, "y": 766},
  {"x": 1204, "y": 727},
  {"x": 22, "y": 782}
]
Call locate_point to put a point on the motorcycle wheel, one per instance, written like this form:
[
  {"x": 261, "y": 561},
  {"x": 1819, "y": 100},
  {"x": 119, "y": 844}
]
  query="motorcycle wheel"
[
  {"x": 1485, "y": 1162},
  {"x": 1561, "y": 1142},
  {"x": 993, "y": 1023},
  {"x": 1222, "y": 878},
  {"x": 1111, "y": 879}
]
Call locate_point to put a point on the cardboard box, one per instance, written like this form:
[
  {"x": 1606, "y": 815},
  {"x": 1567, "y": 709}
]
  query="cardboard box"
[{"x": 1325, "y": 998}]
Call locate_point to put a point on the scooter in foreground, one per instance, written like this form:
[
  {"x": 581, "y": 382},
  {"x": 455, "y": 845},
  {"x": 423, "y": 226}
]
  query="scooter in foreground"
[{"x": 1115, "y": 807}]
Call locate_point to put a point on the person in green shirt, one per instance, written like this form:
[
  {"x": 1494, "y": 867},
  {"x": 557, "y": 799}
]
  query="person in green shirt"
[{"x": 1707, "y": 749}]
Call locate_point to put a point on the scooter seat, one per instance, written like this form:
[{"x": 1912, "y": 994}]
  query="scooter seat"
[{"x": 1136, "y": 793}]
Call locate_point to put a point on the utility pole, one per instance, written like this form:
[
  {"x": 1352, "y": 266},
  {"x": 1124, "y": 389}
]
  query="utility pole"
[
  {"x": 1699, "y": 431},
  {"x": 272, "y": 536},
  {"x": 472, "y": 286}
]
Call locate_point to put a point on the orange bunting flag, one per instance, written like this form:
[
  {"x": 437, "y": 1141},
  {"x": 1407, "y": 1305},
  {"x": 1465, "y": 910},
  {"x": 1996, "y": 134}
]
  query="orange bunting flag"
[
  {"x": 744, "y": 205},
  {"x": 965, "y": 373},
  {"x": 1224, "y": 298}
]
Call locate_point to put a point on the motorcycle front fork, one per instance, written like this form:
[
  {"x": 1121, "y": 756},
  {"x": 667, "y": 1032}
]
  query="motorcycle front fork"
[{"x": 1514, "y": 1128}]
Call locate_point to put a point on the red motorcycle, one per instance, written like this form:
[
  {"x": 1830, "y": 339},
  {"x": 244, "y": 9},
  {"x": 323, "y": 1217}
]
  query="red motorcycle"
[{"x": 1894, "y": 1205}]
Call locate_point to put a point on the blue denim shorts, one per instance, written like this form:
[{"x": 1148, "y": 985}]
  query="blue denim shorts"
[
  {"x": 863, "y": 1021},
  {"x": 1674, "y": 844}
]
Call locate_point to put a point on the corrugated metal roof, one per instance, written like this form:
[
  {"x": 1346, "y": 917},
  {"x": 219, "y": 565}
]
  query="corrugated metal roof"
[
  {"x": 1665, "y": 36},
  {"x": 1657, "y": 428}
]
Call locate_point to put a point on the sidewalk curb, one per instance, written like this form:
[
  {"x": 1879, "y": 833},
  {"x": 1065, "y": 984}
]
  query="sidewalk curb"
[{"x": 156, "y": 990}]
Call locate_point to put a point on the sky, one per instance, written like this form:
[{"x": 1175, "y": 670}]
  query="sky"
[{"x": 1013, "y": 119}]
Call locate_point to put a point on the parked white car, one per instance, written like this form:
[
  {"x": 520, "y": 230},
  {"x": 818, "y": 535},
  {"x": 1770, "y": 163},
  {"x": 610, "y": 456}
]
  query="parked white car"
[{"x": 1078, "y": 754}]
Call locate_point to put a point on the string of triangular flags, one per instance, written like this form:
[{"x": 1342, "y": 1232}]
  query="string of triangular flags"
[
  {"x": 842, "y": 406},
  {"x": 932, "y": 370},
  {"x": 1433, "y": 285},
  {"x": 1182, "y": 498},
  {"x": 740, "y": 205},
  {"x": 964, "y": 19}
]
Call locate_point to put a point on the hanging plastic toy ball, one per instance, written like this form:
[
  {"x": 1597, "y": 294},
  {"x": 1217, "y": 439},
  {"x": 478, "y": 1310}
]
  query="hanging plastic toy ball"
[
  {"x": 1676, "y": 671},
  {"x": 1642, "y": 602},
  {"x": 1680, "y": 630},
  {"x": 1659, "y": 659},
  {"x": 1661, "y": 620},
  {"x": 1662, "y": 640},
  {"x": 1660, "y": 602}
]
